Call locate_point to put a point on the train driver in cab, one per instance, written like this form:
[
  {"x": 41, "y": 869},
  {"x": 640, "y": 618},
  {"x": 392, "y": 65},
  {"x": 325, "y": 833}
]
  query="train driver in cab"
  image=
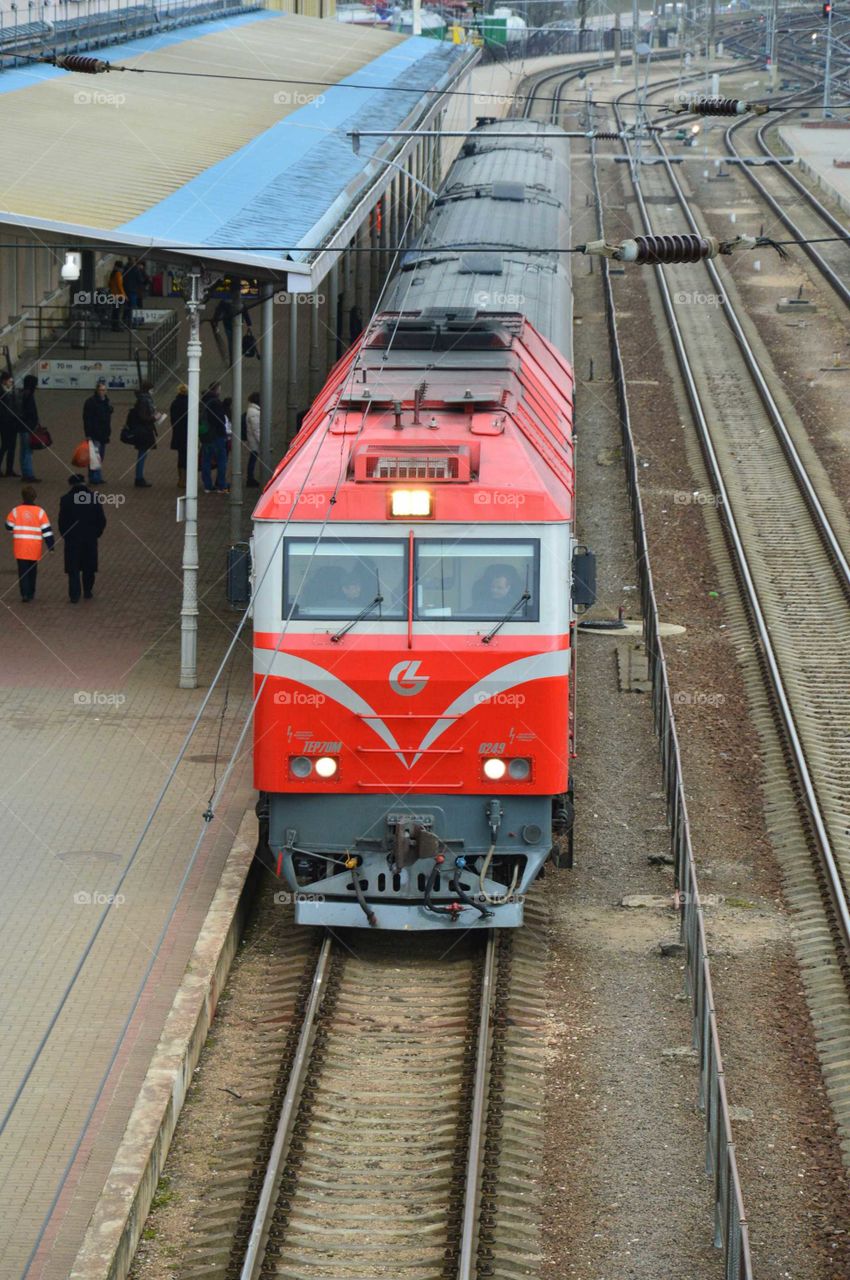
[{"x": 496, "y": 590}]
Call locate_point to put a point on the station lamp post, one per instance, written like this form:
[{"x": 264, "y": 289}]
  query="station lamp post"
[{"x": 189, "y": 611}]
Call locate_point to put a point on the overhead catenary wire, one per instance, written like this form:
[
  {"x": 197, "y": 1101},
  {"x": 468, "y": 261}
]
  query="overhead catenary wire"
[
  {"x": 84, "y": 65},
  {"x": 432, "y": 251}
]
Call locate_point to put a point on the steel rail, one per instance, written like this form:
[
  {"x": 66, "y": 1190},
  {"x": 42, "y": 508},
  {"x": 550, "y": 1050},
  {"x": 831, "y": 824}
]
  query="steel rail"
[
  {"x": 801, "y": 475},
  {"x": 731, "y": 1229},
  {"x": 255, "y": 1250},
  {"x": 478, "y": 1118},
  {"x": 828, "y": 272},
  {"x": 833, "y": 876},
  {"x": 256, "y": 1246}
]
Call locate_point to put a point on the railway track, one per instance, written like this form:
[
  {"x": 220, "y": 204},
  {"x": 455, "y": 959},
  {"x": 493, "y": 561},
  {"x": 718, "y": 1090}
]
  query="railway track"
[
  {"x": 789, "y": 539},
  {"x": 405, "y": 1134},
  {"x": 789, "y": 199}
]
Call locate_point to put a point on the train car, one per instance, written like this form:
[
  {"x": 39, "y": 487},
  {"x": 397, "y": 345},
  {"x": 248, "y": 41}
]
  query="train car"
[{"x": 414, "y": 561}]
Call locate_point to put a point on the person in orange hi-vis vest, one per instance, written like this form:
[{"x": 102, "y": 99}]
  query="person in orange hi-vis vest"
[{"x": 30, "y": 529}]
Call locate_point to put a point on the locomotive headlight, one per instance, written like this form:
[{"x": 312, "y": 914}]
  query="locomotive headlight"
[
  {"x": 520, "y": 769},
  {"x": 494, "y": 769},
  {"x": 300, "y": 766},
  {"x": 326, "y": 766},
  {"x": 410, "y": 502}
]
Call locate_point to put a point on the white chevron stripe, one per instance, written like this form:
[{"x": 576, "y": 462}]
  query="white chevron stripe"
[
  {"x": 288, "y": 666},
  {"x": 538, "y": 666}
]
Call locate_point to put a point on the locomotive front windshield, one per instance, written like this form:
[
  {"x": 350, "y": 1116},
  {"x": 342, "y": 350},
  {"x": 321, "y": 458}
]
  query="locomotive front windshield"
[
  {"x": 332, "y": 578},
  {"x": 477, "y": 580}
]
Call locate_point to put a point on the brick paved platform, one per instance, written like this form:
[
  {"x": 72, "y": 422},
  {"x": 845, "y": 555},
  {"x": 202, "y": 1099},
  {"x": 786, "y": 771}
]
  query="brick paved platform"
[{"x": 91, "y": 720}]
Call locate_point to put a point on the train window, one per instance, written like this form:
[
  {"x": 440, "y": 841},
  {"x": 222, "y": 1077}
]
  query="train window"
[
  {"x": 337, "y": 578},
  {"x": 477, "y": 579}
]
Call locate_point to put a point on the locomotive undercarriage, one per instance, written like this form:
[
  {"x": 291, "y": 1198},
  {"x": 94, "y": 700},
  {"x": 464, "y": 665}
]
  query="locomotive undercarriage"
[{"x": 415, "y": 862}]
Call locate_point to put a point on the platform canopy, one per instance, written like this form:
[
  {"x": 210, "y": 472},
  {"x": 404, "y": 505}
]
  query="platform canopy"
[{"x": 252, "y": 172}]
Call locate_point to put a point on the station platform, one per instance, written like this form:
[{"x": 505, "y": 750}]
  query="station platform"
[
  {"x": 823, "y": 151},
  {"x": 91, "y": 720}
]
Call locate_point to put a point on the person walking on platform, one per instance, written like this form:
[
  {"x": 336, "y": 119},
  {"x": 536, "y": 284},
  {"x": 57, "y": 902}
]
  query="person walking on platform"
[
  {"x": 9, "y": 424},
  {"x": 97, "y": 415},
  {"x": 179, "y": 414},
  {"x": 27, "y": 423},
  {"x": 141, "y": 424},
  {"x": 214, "y": 440},
  {"x": 135, "y": 280},
  {"x": 252, "y": 438},
  {"x": 223, "y": 315},
  {"x": 30, "y": 530},
  {"x": 250, "y": 350},
  {"x": 81, "y": 522}
]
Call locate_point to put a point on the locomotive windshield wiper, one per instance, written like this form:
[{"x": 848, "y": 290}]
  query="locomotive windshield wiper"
[
  {"x": 354, "y": 621},
  {"x": 526, "y": 595}
]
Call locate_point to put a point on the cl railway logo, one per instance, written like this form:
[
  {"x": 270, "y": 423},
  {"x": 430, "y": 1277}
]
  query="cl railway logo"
[{"x": 404, "y": 680}]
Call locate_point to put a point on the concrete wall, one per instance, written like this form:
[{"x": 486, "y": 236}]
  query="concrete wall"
[{"x": 28, "y": 275}]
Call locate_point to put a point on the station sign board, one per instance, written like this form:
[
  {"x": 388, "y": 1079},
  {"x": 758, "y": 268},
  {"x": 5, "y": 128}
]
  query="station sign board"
[{"x": 70, "y": 375}]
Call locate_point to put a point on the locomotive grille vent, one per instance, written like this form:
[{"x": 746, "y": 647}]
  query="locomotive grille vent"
[
  {"x": 412, "y": 468},
  {"x": 375, "y": 462}
]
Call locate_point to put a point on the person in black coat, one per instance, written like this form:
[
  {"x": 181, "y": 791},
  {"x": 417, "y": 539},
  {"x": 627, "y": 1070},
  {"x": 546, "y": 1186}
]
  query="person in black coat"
[
  {"x": 213, "y": 433},
  {"x": 178, "y": 412},
  {"x": 8, "y": 424},
  {"x": 97, "y": 424},
  {"x": 27, "y": 423},
  {"x": 141, "y": 421},
  {"x": 82, "y": 520}
]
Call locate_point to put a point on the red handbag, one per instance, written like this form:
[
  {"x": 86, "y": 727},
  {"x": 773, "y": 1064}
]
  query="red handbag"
[{"x": 41, "y": 438}]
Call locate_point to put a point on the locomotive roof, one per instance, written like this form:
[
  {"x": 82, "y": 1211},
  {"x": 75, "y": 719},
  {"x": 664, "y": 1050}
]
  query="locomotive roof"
[
  {"x": 477, "y": 409},
  {"x": 509, "y": 195}
]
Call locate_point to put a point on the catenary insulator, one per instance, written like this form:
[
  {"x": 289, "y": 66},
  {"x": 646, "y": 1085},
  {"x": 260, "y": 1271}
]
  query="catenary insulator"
[
  {"x": 667, "y": 250},
  {"x": 655, "y": 250},
  {"x": 601, "y": 136},
  {"x": 719, "y": 107},
  {"x": 77, "y": 62}
]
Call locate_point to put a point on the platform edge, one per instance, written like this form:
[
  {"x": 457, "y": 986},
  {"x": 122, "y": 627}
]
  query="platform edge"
[{"x": 116, "y": 1225}]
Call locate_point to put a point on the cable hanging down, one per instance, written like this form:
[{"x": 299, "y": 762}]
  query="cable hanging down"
[{"x": 668, "y": 250}]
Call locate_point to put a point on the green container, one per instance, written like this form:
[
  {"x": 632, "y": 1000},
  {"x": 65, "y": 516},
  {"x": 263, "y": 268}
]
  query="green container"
[{"x": 494, "y": 30}]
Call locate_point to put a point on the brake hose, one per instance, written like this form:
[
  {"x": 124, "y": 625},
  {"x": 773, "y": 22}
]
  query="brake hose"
[
  {"x": 495, "y": 902},
  {"x": 351, "y": 864}
]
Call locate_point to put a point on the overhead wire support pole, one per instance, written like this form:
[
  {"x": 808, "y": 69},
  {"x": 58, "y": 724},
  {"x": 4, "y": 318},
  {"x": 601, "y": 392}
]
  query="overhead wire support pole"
[
  {"x": 635, "y": 26},
  {"x": 827, "y": 71},
  {"x": 236, "y": 428},
  {"x": 189, "y": 611},
  {"x": 266, "y": 379},
  {"x": 774, "y": 44}
]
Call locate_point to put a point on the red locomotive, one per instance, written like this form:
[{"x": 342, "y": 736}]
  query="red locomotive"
[{"x": 414, "y": 605}]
